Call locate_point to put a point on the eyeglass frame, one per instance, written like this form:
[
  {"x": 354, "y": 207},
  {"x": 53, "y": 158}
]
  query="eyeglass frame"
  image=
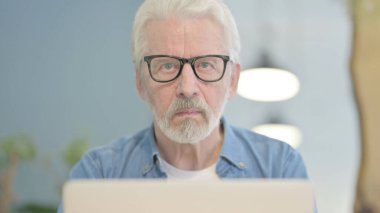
[{"x": 184, "y": 61}]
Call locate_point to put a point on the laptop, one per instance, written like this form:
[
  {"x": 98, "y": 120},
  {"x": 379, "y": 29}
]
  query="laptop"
[{"x": 145, "y": 196}]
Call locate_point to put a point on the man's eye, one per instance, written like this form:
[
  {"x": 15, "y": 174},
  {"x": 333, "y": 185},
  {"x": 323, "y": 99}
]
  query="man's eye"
[
  {"x": 205, "y": 64},
  {"x": 168, "y": 66}
]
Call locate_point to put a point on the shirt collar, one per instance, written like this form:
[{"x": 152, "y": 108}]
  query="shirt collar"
[
  {"x": 150, "y": 149},
  {"x": 231, "y": 151}
]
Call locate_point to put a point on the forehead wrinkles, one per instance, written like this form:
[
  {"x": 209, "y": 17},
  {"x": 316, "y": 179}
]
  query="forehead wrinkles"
[{"x": 165, "y": 36}]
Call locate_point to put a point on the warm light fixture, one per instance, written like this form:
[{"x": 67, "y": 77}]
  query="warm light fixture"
[
  {"x": 287, "y": 133},
  {"x": 268, "y": 84}
]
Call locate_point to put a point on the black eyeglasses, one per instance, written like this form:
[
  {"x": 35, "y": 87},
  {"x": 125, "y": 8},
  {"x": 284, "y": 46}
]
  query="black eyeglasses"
[{"x": 166, "y": 68}]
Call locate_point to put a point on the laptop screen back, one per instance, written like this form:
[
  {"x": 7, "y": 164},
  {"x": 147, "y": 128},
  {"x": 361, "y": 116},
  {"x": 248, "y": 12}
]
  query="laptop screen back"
[{"x": 142, "y": 196}]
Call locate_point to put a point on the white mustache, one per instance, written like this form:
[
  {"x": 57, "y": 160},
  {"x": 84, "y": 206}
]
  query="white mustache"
[{"x": 187, "y": 103}]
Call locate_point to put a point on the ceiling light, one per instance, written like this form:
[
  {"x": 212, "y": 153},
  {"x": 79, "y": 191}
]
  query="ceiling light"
[{"x": 268, "y": 84}]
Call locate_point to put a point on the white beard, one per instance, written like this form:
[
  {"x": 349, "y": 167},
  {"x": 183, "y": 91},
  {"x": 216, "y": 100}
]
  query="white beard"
[{"x": 189, "y": 131}]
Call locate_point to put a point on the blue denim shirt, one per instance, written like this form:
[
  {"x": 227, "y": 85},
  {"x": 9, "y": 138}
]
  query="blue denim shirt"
[{"x": 244, "y": 154}]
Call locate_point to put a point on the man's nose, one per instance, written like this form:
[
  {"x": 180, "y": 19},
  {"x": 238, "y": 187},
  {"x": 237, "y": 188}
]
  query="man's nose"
[{"x": 187, "y": 82}]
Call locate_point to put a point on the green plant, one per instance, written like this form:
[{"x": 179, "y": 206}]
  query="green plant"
[
  {"x": 14, "y": 149},
  {"x": 74, "y": 151}
]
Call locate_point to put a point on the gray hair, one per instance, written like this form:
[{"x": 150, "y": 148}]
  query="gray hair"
[{"x": 162, "y": 9}]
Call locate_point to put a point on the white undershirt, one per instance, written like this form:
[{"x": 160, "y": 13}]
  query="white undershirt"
[{"x": 175, "y": 173}]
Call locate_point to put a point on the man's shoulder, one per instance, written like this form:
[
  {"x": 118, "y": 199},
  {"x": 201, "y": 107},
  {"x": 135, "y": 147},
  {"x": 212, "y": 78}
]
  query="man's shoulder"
[
  {"x": 116, "y": 159},
  {"x": 127, "y": 143},
  {"x": 257, "y": 146},
  {"x": 271, "y": 157}
]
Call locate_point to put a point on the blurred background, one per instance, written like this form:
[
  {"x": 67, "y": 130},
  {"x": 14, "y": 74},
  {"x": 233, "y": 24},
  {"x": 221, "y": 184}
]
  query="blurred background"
[{"x": 67, "y": 84}]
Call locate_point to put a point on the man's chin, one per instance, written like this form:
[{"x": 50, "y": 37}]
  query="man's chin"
[{"x": 188, "y": 131}]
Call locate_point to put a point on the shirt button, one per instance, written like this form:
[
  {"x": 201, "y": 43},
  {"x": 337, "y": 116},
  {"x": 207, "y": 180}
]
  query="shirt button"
[
  {"x": 146, "y": 168},
  {"x": 241, "y": 165}
]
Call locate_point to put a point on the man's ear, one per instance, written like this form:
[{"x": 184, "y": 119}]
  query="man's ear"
[
  {"x": 139, "y": 85},
  {"x": 235, "y": 75}
]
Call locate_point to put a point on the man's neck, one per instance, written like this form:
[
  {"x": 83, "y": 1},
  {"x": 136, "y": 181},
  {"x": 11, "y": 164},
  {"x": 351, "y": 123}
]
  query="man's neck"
[{"x": 191, "y": 156}]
